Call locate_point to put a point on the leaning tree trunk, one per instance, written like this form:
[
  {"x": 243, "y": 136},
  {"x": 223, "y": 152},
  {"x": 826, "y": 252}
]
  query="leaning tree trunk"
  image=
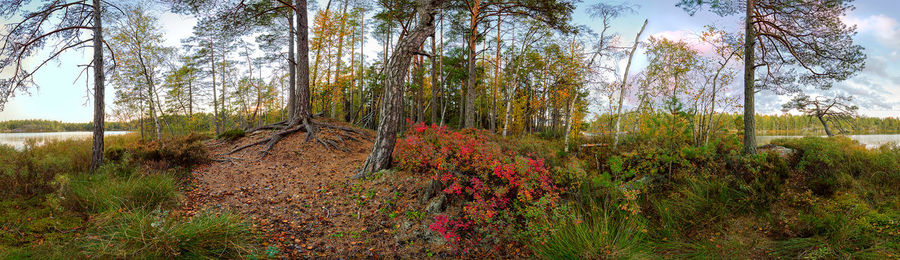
[
  {"x": 624, "y": 83},
  {"x": 749, "y": 113},
  {"x": 99, "y": 78},
  {"x": 392, "y": 105},
  {"x": 824, "y": 124}
]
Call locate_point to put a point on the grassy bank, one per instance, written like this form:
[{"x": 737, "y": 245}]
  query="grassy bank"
[
  {"x": 54, "y": 208},
  {"x": 829, "y": 198},
  {"x": 658, "y": 196}
]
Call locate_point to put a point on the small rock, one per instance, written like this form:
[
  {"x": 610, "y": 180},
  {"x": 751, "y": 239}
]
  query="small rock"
[
  {"x": 436, "y": 205},
  {"x": 431, "y": 190},
  {"x": 781, "y": 151}
]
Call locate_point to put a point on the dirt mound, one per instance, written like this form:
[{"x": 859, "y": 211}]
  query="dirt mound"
[{"x": 302, "y": 199}]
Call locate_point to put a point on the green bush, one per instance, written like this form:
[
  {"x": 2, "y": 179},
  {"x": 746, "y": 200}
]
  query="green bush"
[
  {"x": 159, "y": 235},
  {"x": 231, "y": 135},
  {"x": 844, "y": 226},
  {"x": 114, "y": 153},
  {"x": 830, "y": 164}
]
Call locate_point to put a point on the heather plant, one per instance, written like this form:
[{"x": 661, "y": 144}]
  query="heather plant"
[{"x": 182, "y": 151}]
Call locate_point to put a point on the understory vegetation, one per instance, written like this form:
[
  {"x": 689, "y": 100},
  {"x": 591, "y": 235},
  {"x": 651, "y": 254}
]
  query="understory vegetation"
[
  {"x": 658, "y": 195},
  {"x": 54, "y": 208}
]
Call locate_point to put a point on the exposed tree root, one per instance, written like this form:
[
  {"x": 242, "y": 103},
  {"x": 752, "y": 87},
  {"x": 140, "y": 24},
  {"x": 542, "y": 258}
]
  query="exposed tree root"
[
  {"x": 308, "y": 126},
  {"x": 273, "y": 126},
  {"x": 227, "y": 159}
]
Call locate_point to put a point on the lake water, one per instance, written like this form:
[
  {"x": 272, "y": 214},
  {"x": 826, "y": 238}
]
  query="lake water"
[
  {"x": 17, "y": 140},
  {"x": 871, "y": 141}
]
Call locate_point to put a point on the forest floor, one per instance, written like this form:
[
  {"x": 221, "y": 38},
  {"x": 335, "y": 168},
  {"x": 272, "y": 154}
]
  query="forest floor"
[{"x": 301, "y": 198}]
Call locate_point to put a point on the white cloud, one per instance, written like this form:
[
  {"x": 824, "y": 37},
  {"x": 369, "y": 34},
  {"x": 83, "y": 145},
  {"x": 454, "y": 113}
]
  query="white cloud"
[
  {"x": 884, "y": 28},
  {"x": 690, "y": 37}
]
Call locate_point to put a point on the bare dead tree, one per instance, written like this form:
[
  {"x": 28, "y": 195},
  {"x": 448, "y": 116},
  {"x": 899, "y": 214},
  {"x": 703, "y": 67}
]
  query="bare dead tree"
[
  {"x": 56, "y": 27},
  {"x": 836, "y": 110}
]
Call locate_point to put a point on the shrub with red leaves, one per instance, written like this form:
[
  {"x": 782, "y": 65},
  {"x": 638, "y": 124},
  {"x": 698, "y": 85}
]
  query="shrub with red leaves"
[{"x": 500, "y": 192}]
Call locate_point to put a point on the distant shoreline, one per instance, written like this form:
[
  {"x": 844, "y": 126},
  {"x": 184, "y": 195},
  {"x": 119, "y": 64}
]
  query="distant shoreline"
[{"x": 57, "y": 131}]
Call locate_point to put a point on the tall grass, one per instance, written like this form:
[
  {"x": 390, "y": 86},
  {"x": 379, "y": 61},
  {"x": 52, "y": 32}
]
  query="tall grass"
[
  {"x": 697, "y": 203},
  {"x": 603, "y": 234},
  {"x": 58, "y": 209},
  {"x": 31, "y": 171},
  {"x": 159, "y": 235},
  {"x": 103, "y": 192}
]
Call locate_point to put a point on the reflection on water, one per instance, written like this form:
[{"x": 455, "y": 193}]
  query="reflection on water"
[
  {"x": 17, "y": 140},
  {"x": 871, "y": 141}
]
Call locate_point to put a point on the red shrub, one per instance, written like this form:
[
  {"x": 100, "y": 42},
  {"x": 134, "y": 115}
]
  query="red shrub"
[{"x": 496, "y": 188}]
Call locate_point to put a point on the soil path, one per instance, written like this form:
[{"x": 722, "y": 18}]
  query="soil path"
[{"x": 301, "y": 197}]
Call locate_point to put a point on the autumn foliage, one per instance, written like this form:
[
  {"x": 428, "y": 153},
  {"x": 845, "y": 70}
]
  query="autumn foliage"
[{"x": 500, "y": 192}]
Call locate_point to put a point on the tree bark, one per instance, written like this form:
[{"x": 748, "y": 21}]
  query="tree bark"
[
  {"x": 569, "y": 115},
  {"x": 292, "y": 69},
  {"x": 303, "y": 111},
  {"x": 99, "y": 89},
  {"x": 335, "y": 88},
  {"x": 362, "y": 62},
  {"x": 441, "y": 67},
  {"x": 749, "y": 90},
  {"x": 392, "y": 107},
  {"x": 470, "y": 82},
  {"x": 824, "y": 124},
  {"x": 224, "y": 111},
  {"x": 435, "y": 86},
  {"x": 212, "y": 67},
  {"x": 496, "y": 80},
  {"x": 154, "y": 112},
  {"x": 625, "y": 83}
]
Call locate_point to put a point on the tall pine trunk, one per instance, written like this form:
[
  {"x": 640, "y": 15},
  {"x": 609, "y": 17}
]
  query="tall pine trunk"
[
  {"x": 435, "y": 87},
  {"x": 99, "y": 89},
  {"x": 496, "y": 80},
  {"x": 292, "y": 70},
  {"x": 362, "y": 62},
  {"x": 303, "y": 109},
  {"x": 335, "y": 88},
  {"x": 224, "y": 112},
  {"x": 212, "y": 67},
  {"x": 470, "y": 82},
  {"x": 749, "y": 113}
]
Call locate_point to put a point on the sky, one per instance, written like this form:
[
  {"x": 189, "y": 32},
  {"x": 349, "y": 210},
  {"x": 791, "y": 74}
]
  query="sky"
[{"x": 62, "y": 95}]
